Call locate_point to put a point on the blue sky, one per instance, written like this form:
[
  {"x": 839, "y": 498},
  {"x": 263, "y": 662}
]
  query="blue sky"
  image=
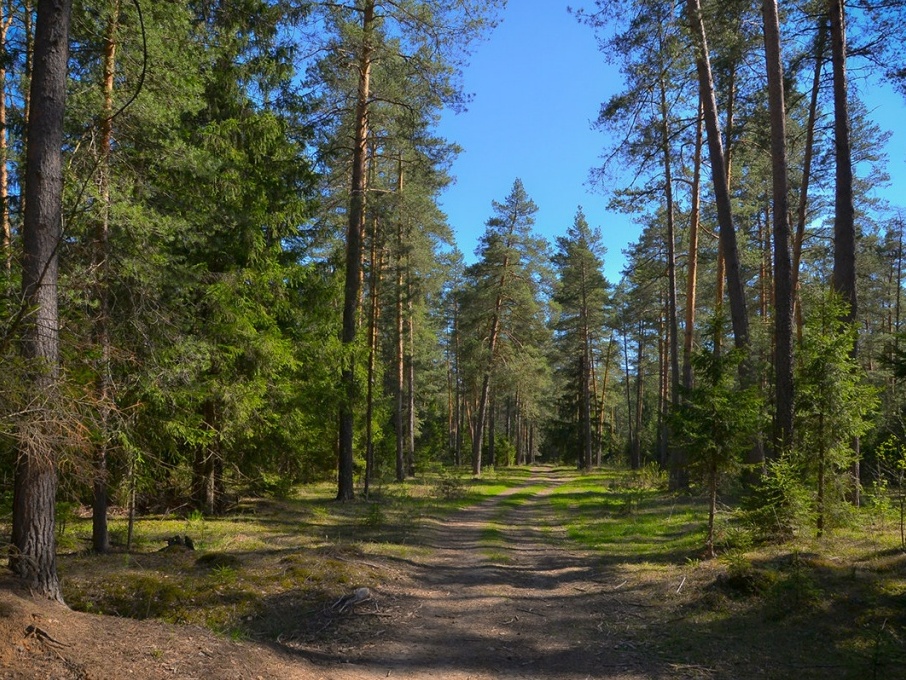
[{"x": 538, "y": 81}]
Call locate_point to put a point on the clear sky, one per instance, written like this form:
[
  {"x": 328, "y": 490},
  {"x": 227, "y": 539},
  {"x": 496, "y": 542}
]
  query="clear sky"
[{"x": 538, "y": 82}]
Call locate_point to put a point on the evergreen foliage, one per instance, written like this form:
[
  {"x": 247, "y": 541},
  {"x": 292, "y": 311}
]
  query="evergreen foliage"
[
  {"x": 256, "y": 285},
  {"x": 716, "y": 421}
]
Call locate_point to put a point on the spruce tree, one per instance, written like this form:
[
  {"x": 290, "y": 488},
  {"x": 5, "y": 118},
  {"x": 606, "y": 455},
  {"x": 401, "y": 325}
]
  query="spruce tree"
[{"x": 582, "y": 297}]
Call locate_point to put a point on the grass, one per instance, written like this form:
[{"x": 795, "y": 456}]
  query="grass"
[
  {"x": 810, "y": 608},
  {"x": 813, "y": 608},
  {"x": 256, "y": 570},
  {"x": 629, "y": 519}
]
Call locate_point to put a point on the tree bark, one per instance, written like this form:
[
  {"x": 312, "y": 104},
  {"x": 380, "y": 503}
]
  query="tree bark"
[
  {"x": 376, "y": 263},
  {"x": 735, "y": 290},
  {"x": 675, "y": 456},
  {"x": 636, "y": 458},
  {"x": 802, "y": 209},
  {"x": 356, "y": 225},
  {"x": 5, "y": 23},
  {"x": 692, "y": 266},
  {"x": 601, "y": 402},
  {"x": 628, "y": 397},
  {"x": 721, "y": 265},
  {"x": 585, "y": 375},
  {"x": 484, "y": 396},
  {"x": 844, "y": 276},
  {"x": 783, "y": 277},
  {"x": 99, "y": 536},
  {"x": 410, "y": 374},
  {"x": 33, "y": 551},
  {"x": 400, "y": 396}
]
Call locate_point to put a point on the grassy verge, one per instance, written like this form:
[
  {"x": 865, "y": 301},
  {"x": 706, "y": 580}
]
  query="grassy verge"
[
  {"x": 269, "y": 566},
  {"x": 808, "y": 608}
]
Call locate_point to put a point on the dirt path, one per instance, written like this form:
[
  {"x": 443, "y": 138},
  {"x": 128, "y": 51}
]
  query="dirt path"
[
  {"x": 495, "y": 595},
  {"x": 498, "y": 597}
]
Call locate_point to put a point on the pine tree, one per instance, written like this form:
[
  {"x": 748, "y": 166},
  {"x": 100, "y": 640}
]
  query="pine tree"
[
  {"x": 716, "y": 421},
  {"x": 33, "y": 553},
  {"x": 582, "y": 296},
  {"x": 428, "y": 40},
  {"x": 783, "y": 277},
  {"x": 500, "y": 301}
]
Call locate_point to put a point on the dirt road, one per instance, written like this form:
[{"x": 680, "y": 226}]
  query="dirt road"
[
  {"x": 498, "y": 597},
  {"x": 490, "y": 592}
]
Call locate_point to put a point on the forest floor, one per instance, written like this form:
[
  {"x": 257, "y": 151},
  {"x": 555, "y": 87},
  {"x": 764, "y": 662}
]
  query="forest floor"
[{"x": 508, "y": 587}]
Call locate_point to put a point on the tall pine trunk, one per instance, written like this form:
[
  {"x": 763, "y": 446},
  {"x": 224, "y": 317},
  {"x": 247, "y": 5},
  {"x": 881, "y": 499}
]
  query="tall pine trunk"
[
  {"x": 735, "y": 289},
  {"x": 400, "y": 360},
  {"x": 844, "y": 276},
  {"x": 355, "y": 228},
  {"x": 783, "y": 276},
  {"x": 802, "y": 208},
  {"x": 692, "y": 260},
  {"x": 33, "y": 550},
  {"x": 5, "y": 23},
  {"x": 484, "y": 396},
  {"x": 99, "y": 536},
  {"x": 376, "y": 260},
  {"x": 410, "y": 373}
]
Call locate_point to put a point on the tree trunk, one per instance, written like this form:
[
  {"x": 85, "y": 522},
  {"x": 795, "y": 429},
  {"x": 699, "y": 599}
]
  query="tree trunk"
[
  {"x": 628, "y": 396},
  {"x": 802, "y": 210},
  {"x": 844, "y": 276},
  {"x": 33, "y": 550},
  {"x": 585, "y": 376},
  {"x": 672, "y": 324},
  {"x": 493, "y": 332},
  {"x": 712, "y": 506},
  {"x": 674, "y": 456},
  {"x": 99, "y": 535},
  {"x": 459, "y": 396},
  {"x": 721, "y": 265},
  {"x": 728, "y": 242},
  {"x": 400, "y": 360},
  {"x": 356, "y": 225},
  {"x": 587, "y": 438},
  {"x": 376, "y": 264},
  {"x": 692, "y": 266},
  {"x": 636, "y": 459},
  {"x": 783, "y": 277},
  {"x": 5, "y": 23},
  {"x": 492, "y": 434},
  {"x": 410, "y": 374},
  {"x": 602, "y": 400},
  {"x": 663, "y": 401}
]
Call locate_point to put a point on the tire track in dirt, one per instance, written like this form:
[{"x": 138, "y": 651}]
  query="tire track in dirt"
[{"x": 501, "y": 595}]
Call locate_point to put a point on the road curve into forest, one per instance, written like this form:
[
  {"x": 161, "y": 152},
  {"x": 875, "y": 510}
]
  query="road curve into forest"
[{"x": 501, "y": 594}]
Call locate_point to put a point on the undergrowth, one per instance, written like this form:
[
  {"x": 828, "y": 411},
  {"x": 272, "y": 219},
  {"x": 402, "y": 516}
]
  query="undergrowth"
[{"x": 273, "y": 567}]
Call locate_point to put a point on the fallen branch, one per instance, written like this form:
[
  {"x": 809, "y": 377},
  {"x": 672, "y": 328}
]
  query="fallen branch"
[
  {"x": 358, "y": 596},
  {"x": 43, "y": 635}
]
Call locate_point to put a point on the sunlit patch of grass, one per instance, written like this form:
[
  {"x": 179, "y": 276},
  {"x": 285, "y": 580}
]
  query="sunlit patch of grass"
[
  {"x": 518, "y": 498},
  {"x": 497, "y": 557},
  {"x": 493, "y": 542},
  {"x": 491, "y": 535},
  {"x": 397, "y": 550},
  {"x": 629, "y": 519},
  {"x": 269, "y": 563}
]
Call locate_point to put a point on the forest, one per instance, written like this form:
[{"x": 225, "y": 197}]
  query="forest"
[{"x": 226, "y": 271}]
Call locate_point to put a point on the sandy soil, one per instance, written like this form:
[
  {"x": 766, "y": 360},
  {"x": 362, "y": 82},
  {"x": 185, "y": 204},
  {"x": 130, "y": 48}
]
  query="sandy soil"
[{"x": 496, "y": 596}]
